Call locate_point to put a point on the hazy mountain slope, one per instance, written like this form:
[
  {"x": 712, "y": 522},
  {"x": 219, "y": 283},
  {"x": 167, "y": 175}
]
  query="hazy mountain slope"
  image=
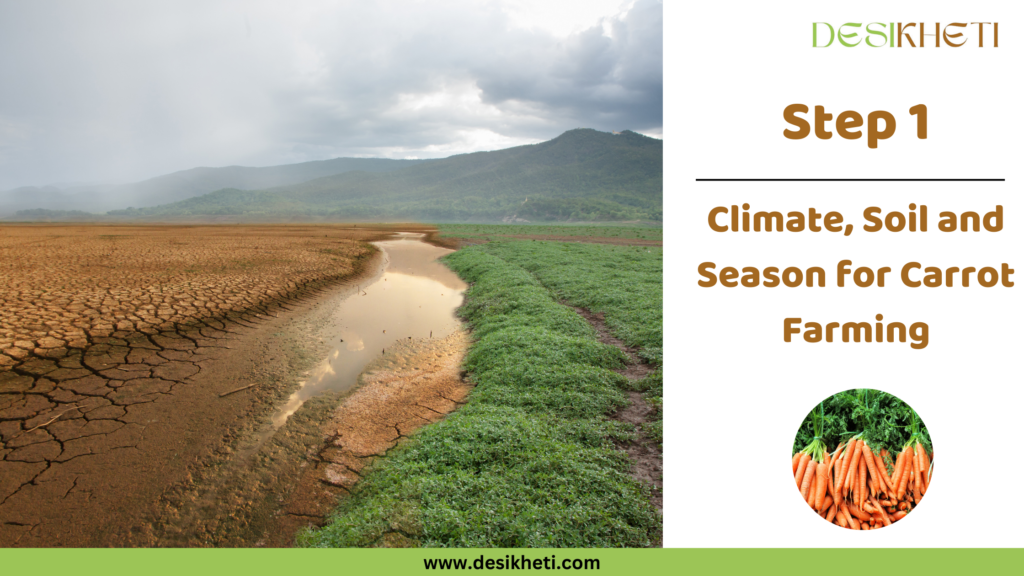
[
  {"x": 581, "y": 175},
  {"x": 185, "y": 184},
  {"x": 197, "y": 181}
]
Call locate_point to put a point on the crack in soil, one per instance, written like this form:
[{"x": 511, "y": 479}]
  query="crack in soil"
[{"x": 73, "y": 395}]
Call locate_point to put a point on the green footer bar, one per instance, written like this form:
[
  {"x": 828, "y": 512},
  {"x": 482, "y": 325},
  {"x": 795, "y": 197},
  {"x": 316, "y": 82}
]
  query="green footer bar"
[{"x": 288, "y": 562}]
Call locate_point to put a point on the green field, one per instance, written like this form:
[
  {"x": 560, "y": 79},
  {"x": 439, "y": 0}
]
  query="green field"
[
  {"x": 623, "y": 282},
  {"x": 530, "y": 460},
  {"x": 496, "y": 231}
]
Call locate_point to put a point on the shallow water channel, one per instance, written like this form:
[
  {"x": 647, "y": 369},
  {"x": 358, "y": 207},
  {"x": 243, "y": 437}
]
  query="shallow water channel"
[{"x": 414, "y": 297}]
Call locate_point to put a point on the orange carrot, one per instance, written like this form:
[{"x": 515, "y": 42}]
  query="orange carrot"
[
  {"x": 857, "y": 455},
  {"x": 805, "y": 483},
  {"x": 848, "y": 482},
  {"x": 844, "y": 470},
  {"x": 796, "y": 461},
  {"x": 924, "y": 460},
  {"x": 841, "y": 519},
  {"x": 801, "y": 467},
  {"x": 897, "y": 473},
  {"x": 899, "y": 514},
  {"x": 834, "y": 465},
  {"x": 852, "y": 475},
  {"x": 927, "y": 468},
  {"x": 915, "y": 454},
  {"x": 812, "y": 494},
  {"x": 828, "y": 484},
  {"x": 846, "y": 513},
  {"x": 881, "y": 513},
  {"x": 856, "y": 485},
  {"x": 923, "y": 485},
  {"x": 901, "y": 490},
  {"x": 862, "y": 474},
  {"x": 869, "y": 458},
  {"x": 883, "y": 473},
  {"x": 859, "y": 513},
  {"x": 831, "y": 513},
  {"x": 821, "y": 481},
  {"x": 918, "y": 476}
]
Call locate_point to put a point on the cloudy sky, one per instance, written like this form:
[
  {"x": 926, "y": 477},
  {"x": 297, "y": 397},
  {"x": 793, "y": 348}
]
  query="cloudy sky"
[{"x": 122, "y": 91}]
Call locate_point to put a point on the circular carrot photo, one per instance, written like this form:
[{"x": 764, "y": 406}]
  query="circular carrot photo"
[{"x": 862, "y": 459}]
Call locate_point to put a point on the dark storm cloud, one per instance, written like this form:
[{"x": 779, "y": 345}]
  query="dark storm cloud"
[
  {"x": 122, "y": 91},
  {"x": 605, "y": 82}
]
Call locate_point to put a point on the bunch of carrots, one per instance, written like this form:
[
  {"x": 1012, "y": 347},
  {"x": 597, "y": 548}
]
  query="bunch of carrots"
[{"x": 852, "y": 486}]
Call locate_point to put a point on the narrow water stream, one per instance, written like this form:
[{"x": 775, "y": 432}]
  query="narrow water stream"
[
  {"x": 415, "y": 296},
  {"x": 240, "y": 499}
]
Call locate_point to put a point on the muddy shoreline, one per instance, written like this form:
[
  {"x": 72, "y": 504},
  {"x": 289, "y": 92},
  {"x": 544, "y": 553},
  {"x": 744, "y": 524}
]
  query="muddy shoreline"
[
  {"x": 415, "y": 383},
  {"x": 231, "y": 497}
]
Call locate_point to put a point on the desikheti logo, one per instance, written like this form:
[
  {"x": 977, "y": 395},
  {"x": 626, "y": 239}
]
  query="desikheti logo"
[{"x": 909, "y": 35}]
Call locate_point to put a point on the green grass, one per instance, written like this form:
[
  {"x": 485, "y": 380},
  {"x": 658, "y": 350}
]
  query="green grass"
[
  {"x": 529, "y": 461},
  {"x": 497, "y": 231},
  {"x": 622, "y": 282},
  {"x": 651, "y": 386}
]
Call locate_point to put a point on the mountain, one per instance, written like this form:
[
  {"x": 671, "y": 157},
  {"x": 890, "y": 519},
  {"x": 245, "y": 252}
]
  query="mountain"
[
  {"x": 183, "y": 185},
  {"x": 581, "y": 175}
]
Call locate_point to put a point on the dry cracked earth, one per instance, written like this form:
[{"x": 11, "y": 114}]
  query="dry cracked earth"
[{"x": 112, "y": 348}]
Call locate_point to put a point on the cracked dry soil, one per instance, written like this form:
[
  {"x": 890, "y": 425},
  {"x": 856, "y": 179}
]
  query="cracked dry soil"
[{"x": 115, "y": 345}]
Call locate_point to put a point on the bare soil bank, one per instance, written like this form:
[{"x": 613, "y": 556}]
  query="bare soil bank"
[{"x": 417, "y": 382}]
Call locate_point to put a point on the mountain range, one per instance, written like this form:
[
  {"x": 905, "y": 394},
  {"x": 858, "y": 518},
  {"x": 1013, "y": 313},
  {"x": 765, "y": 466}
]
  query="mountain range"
[{"x": 582, "y": 175}]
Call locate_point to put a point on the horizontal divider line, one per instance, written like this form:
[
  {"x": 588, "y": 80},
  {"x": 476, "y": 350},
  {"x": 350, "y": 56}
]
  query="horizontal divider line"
[{"x": 851, "y": 179}]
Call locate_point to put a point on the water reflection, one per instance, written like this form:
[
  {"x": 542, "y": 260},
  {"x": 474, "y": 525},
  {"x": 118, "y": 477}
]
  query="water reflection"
[{"x": 416, "y": 296}]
